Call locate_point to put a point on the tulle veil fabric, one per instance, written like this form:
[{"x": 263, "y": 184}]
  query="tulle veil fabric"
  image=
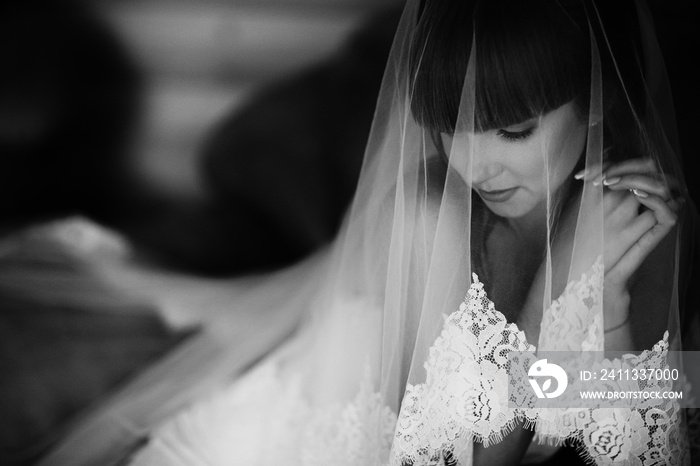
[{"x": 375, "y": 314}]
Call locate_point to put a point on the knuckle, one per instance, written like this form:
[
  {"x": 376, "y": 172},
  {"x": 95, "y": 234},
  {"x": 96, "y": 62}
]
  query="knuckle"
[
  {"x": 647, "y": 216},
  {"x": 630, "y": 203},
  {"x": 672, "y": 218}
]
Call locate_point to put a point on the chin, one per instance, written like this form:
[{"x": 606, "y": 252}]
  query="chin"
[
  {"x": 507, "y": 213},
  {"x": 509, "y": 209}
]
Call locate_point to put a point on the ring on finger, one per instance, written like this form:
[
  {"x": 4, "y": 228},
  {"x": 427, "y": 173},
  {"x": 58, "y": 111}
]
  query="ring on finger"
[{"x": 638, "y": 192}]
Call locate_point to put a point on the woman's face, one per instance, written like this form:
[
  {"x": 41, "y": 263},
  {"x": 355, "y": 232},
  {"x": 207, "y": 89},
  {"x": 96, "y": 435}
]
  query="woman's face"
[{"x": 513, "y": 169}]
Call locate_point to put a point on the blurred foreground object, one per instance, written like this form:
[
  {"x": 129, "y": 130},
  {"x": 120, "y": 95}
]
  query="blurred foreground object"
[
  {"x": 67, "y": 339},
  {"x": 282, "y": 170},
  {"x": 69, "y": 99}
]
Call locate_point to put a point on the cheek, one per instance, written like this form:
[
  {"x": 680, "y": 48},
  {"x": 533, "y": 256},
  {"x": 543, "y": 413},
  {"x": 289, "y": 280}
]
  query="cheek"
[{"x": 531, "y": 165}]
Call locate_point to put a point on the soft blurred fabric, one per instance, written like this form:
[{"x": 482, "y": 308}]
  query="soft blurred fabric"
[
  {"x": 66, "y": 338},
  {"x": 105, "y": 112},
  {"x": 279, "y": 171},
  {"x": 220, "y": 137}
]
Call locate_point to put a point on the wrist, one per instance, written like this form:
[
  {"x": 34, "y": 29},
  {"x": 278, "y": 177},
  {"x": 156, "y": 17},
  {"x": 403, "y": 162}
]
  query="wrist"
[{"x": 616, "y": 310}]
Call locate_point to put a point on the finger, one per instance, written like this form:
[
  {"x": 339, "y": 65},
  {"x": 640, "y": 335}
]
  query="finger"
[
  {"x": 642, "y": 235},
  {"x": 649, "y": 228},
  {"x": 627, "y": 232},
  {"x": 630, "y": 261},
  {"x": 641, "y": 224},
  {"x": 665, "y": 216},
  {"x": 621, "y": 212},
  {"x": 633, "y": 258},
  {"x": 591, "y": 171},
  {"x": 620, "y": 206},
  {"x": 631, "y": 166},
  {"x": 675, "y": 204},
  {"x": 644, "y": 183}
]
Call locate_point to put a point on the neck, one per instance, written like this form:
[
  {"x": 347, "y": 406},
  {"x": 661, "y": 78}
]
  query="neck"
[{"x": 531, "y": 228}]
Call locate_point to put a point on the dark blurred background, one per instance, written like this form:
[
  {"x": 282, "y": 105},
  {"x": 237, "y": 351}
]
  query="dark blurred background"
[
  {"x": 219, "y": 137},
  {"x": 256, "y": 122}
]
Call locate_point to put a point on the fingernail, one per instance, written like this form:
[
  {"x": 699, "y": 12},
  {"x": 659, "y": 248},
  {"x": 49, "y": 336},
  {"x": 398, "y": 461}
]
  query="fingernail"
[
  {"x": 610, "y": 181},
  {"x": 599, "y": 179},
  {"x": 581, "y": 174},
  {"x": 639, "y": 193}
]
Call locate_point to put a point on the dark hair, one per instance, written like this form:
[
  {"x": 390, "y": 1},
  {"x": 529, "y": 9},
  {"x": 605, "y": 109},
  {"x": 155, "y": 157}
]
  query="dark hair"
[
  {"x": 530, "y": 60},
  {"x": 533, "y": 56}
]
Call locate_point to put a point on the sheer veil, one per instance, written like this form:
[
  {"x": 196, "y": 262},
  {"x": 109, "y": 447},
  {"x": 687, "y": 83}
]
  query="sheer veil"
[{"x": 495, "y": 212}]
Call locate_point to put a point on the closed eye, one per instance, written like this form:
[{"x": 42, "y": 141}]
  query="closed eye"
[{"x": 516, "y": 135}]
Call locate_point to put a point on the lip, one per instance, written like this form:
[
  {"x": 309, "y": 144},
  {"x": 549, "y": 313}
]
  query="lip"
[{"x": 498, "y": 195}]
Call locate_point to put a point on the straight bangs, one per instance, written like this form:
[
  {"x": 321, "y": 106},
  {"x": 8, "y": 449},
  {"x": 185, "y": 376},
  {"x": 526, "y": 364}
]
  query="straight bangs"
[{"x": 531, "y": 57}]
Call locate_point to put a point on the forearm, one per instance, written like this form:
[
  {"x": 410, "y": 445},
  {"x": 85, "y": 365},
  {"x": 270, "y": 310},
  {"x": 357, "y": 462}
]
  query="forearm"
[{"x": 617, "y": 328}]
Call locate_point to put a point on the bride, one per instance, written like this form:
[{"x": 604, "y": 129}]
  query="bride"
[{"x": 521, "y": 192}]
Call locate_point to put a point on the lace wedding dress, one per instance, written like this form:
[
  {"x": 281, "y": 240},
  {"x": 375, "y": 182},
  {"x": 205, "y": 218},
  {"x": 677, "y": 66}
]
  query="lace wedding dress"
[
  {"x": 267, "y": 417},
  {"x": 496, "y": 124}
]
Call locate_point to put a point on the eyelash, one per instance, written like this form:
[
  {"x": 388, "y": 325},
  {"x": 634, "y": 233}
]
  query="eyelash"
[{"x": 516, "y": 135}]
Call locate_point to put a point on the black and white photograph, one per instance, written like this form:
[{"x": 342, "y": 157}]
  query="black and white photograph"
[{"x": 349, "y": 232}]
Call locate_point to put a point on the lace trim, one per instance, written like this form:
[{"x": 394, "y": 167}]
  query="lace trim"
[
  {"x": 465, "y": 395},
  {"x": 646, "y": 434},
  {"x": 464, "y": 399},
  {"x": 578, "y": 314}
]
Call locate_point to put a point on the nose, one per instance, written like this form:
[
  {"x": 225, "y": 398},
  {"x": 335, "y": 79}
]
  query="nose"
[
  {"x": 474, "y": 157},
  {"x": 484, "y": 164}
]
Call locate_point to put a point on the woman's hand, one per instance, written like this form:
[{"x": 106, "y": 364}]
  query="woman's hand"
[
  {"x": 638, "y": 212},
  {"x": 634, "y": 222}
]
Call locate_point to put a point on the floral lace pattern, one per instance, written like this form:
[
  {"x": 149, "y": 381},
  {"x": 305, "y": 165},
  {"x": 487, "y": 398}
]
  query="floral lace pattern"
[
  {"x": 464, "y": 398},
  {"x": 577, "y": 313},
  {"x": 648, "y": 433},
  {"x": 465, "y": 395}
]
